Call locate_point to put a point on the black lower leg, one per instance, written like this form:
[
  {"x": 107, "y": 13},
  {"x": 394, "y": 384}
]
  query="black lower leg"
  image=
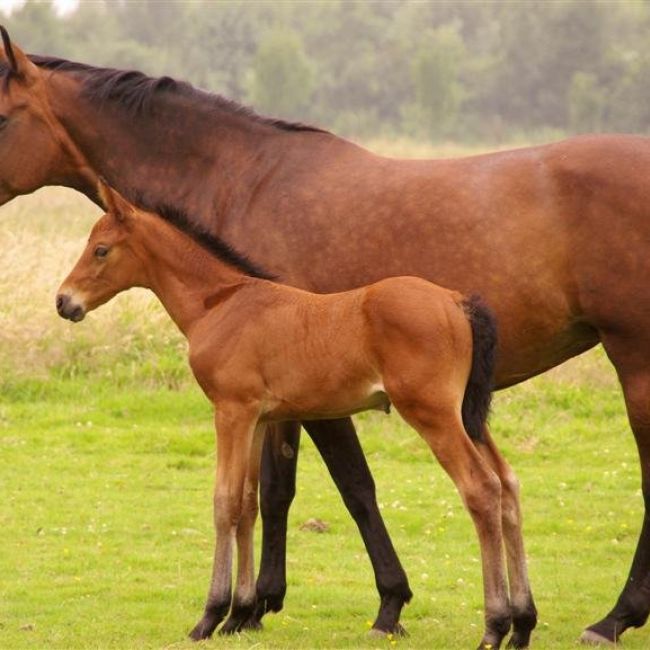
[
  {"x": 633, "y": 605},
  {"x": 277, "y": 490},
  {"x": 338, "y": 444}
]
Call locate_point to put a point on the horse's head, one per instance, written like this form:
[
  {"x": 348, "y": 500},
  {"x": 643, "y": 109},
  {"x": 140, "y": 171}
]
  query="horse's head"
[
  {"x": 108, "y": 265},
  {"x": 34, "y": 147}
]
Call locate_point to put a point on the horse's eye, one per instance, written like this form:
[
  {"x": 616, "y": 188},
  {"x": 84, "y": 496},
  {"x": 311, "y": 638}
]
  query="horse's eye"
[
  {"x": 3, "y": 121},
  {"x": 101, "y": 251}
]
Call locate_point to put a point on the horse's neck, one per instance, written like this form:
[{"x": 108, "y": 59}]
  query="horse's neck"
[
  {"x": 183, "y": 275},
  {"x": 195, "y": 157}
]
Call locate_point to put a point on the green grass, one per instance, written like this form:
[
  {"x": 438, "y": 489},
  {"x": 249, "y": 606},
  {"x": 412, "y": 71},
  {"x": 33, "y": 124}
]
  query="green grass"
[{"x": 107, "y": 535}]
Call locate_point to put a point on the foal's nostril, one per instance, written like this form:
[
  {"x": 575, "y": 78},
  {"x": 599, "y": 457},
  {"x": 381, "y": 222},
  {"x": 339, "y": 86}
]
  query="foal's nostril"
[
  {"x": 65, "y": 306},
  {"x": 60, "y": 302}
]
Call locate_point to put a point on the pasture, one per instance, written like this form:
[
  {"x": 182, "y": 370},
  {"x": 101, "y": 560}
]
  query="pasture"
[{"x": 107, "y": 466}]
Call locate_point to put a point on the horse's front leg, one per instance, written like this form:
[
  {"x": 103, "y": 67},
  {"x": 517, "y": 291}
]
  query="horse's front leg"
[
  {"x": 277, "y": 490},
  {"x": 338, "y": 444},
  {"x": 244, "y": 600},
  {"x": 235, "y": 435}
]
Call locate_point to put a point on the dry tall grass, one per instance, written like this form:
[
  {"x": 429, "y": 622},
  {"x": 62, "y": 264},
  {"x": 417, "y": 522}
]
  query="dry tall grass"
[{"x": 41, "y": 236}]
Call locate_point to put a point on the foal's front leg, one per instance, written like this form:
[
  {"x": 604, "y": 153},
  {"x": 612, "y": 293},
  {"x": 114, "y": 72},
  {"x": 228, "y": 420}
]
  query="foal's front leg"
[
  {"x": 244, "y": 599},
  {"x": 235, "y": 433}
]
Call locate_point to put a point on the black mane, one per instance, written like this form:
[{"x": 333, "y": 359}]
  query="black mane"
[
  {"x": 213, "y": 244},
  {"x": 136, "y": 92}
]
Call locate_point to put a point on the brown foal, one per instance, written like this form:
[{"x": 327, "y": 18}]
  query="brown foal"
[{"x": 427, "y": 350}]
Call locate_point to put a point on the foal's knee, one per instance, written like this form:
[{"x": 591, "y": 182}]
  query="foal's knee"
[{"x": 227, "y": 511}]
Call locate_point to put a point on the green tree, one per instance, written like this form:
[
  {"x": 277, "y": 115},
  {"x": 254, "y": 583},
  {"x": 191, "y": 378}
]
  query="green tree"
[
  {"x": 586, "y": 103},
  {"x": 436, "y": 79},
  {"x": 629, "y": 110},
  {"x": 282, "y": 79}
]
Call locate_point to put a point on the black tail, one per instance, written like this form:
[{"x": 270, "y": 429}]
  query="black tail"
[{"x": 478, "y": 393}]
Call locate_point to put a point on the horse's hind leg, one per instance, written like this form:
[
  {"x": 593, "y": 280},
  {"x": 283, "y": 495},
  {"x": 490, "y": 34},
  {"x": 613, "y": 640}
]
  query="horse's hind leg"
[
  {"x": 522, "y": 606},
  {"x": 633, "y": 605},
  {"x": 480, "y": 488}
]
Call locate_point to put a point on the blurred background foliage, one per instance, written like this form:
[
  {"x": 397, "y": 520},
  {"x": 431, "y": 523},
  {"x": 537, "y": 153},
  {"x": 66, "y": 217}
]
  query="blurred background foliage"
[{"x": 467, "y": 71}]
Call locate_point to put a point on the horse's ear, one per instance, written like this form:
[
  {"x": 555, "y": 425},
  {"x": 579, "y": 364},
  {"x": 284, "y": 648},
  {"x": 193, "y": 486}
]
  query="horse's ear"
[
  {"x": 18, "y": 62},
  {"x": 113, "y": 201}
]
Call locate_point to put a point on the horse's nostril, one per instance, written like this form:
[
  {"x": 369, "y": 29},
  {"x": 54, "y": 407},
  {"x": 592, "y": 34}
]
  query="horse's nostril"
[{"x": 59, "y": 303}]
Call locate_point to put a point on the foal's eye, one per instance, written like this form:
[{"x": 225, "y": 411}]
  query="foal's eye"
[{"x": 101, "y": 251}]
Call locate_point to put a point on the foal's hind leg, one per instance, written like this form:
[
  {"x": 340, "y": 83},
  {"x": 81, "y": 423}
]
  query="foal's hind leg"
[
  {"x": 480, "y": 488},
  {"x": 524, "y": 613}
]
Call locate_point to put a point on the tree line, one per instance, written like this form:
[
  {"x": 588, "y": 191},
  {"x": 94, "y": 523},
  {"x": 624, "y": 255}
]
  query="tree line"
[{"x": 471, "y": 71}]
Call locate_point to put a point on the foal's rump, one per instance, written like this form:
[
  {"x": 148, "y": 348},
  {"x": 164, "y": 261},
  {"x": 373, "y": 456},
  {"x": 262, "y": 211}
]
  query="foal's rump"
[{"x": 433, "y": 344}]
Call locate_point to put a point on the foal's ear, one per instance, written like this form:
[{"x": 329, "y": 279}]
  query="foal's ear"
[
  {"x": 113, "y": 201},
  {"x": 19, "y": 64}
]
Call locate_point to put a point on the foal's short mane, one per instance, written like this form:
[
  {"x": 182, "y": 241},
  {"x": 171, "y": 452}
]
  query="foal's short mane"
[
  {"x": 213, "y": 244},
  {"x": 137, "y": 93}
]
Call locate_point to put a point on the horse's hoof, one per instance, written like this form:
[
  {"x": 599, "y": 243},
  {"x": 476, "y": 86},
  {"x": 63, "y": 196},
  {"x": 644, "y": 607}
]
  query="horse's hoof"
[
  {"x": 397, "y": 631},
  {"x": 589, "y": 637}
]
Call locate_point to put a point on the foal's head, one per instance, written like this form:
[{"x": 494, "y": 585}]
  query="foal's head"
[{"x": 109, "y": 264}]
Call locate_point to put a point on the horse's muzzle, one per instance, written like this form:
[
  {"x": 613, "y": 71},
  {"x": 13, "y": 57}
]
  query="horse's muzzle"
[{"x": 69, "y": 309}]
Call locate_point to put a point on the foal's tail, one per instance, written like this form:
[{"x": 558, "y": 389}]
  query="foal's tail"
[{"x": 478, "y": 393}]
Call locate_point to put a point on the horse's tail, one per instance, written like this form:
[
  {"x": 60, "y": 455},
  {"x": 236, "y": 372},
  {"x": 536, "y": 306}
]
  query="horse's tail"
[{"x": 478, "y": 393}]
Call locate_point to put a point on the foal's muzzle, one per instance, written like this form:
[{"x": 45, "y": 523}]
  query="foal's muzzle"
[{"x": 67, "y": 308}]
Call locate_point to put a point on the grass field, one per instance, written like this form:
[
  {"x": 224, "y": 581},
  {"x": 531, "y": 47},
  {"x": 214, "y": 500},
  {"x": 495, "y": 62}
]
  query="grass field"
[{"x": 106, "y": 470}]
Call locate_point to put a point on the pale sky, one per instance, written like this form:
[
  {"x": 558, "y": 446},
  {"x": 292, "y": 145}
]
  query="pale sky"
[{"x": 62, "y": 6}]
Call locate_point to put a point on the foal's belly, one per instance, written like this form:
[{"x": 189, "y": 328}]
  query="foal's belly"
[{"x": 345, "y": 402}]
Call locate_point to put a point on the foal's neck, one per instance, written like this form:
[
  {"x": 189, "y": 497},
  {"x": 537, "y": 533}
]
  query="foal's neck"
[{"x": 184, "y": 276}]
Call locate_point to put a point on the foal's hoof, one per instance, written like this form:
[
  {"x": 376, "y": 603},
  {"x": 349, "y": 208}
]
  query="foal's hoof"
[
  {"x": 589, "y": 637},
  {"x": 398, "y": 631},
  {"x": 517, "y": 643},
  {"x": 251, "y": 624},
  {"x": 201, "y": 632},
  {"x": 485, "y": 645},
  {"x": 236, "y": 624}
]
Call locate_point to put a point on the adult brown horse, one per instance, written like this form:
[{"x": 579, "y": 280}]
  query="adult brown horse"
[
  {"x": 555, "y": 238},
  {"x": 265, "y": 352}
]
